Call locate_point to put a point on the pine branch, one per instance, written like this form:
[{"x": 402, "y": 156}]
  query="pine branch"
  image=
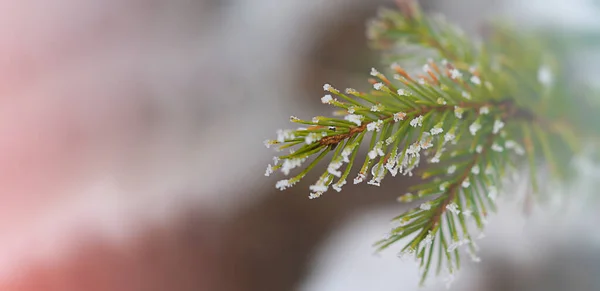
[
  {"x": 472, "y": 114},
  {"x": 395, "y": 28}
]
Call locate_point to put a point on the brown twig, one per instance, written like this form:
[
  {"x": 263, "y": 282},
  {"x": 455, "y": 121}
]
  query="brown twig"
[{"x": 508, "y": 108}]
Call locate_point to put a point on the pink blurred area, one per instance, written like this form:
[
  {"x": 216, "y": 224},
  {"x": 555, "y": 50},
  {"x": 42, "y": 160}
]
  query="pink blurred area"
[
  {"x": 122, "y": 125},
  {"x": 94, "y": 134},
  {"x": 131, "y": 153}
]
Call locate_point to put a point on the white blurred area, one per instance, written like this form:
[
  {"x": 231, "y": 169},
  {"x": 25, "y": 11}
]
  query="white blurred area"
[
  {"x": 524, "y": 241},
  {"x": 117, "y": 114}
]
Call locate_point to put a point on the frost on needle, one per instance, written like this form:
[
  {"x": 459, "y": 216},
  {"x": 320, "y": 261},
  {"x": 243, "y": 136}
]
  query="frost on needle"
[{"x": 455, "y": 122}]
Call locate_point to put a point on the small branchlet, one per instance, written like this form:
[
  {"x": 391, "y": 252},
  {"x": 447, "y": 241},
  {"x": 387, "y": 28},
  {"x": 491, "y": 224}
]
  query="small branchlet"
[{"x": 472, "y": 113}]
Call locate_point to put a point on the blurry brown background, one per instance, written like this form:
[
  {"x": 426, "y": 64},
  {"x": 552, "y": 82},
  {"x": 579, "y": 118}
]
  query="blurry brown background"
[{"x": 131, "y": 153}]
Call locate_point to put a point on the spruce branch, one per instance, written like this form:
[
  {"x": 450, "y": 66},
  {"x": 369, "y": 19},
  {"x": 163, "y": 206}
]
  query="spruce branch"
[{"x": 475, "y": 111}]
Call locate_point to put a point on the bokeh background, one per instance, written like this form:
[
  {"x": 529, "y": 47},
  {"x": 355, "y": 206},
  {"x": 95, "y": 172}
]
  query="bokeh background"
[{"x": 131, "y": 154}]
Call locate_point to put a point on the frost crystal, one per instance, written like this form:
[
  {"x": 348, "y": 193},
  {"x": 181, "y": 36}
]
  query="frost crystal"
[
  {"x": 399, "y": 116},
  {"x": 466, "y": 95},
  {"x": 458, "y": 112},
  {"x": 498, "y": 125},
  {"x": 354, "y": 118},
  {"x": 334, "y": 167},
  {"x": 451, "y": 169},
  {"x": 455, "y": 244},
  {"x": 474, "y": 256},
  {"x": 427, "y": 241},
  {"x": 377, "y": 151},
  {"x": 312, "y": 137},
  {"x": 269, "y": 170},
  {"x": 374, "y": 72},
  {"x": 475, "y": 170},
  {"x": 426, "y": 141},
  {"x": 347, "y": 151},
  {"x": 414, "y": 162},
  {"x": 283, "y": 135},
  {"x": 436, "y": 158},
  {"x": 421, "y": 81},
  {"x": 497, "y": 148},
  {"x": 444, "y": 186},
  {"x": 425, "y": 206},
  {"x": 414, "y": 149},
  {"x": 290, "y": 164},
  {"x": 418, "y": 121},
  {"x": 374, "y": 182},
  {"x": 436, "y": 130},
  {"x": 474, "y": 127},
  {"x": 375, "y": 125},
  {"x": 479, "y": 149},
  {"x": 475, "y": 80},
  {"x": 275, "y": 161},
  {"x": 452, "y": 207},
  {"x": 377, "y": 107},
  {"x": 360, "y": 178},
  {"x": 466, "y": 183},
  {"x": 545, "y": 76},
  {"x": 484, "y": 110},
  {"x": 327, "y": 99},
  {"x": 338, "y": 186},
  {"x": 510, "y": 144},
  {"x": 426, "y": 68},
  {"x": 283, "y": 184},
  {"x": 319, "y": 186},
  {"x": 441, "y": 101},
  {"x": 449, "y": 137},
  {"x": 378, "y": 86},
  {"x": 329, "y": 88},
  {"x": 391, "y": 162},
  {"x": 455, "y": 74},
  {"x": 268, "y": 143},
  {"x": 351, "y": 91},
  {"x": 403, "y": 92},
  {"x": 315, "y": 195},
  {"x": 393, "y": 170}
]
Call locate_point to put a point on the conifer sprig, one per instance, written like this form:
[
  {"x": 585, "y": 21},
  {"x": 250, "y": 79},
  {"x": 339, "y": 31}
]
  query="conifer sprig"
[{"x": 471, "y": 113}]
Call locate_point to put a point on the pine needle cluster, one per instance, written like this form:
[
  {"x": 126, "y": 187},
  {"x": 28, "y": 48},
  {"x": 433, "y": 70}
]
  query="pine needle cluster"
[{"x": 473, "y": 111}]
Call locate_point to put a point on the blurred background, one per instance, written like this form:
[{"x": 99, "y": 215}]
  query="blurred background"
[{"x": 131, "y": 154}]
